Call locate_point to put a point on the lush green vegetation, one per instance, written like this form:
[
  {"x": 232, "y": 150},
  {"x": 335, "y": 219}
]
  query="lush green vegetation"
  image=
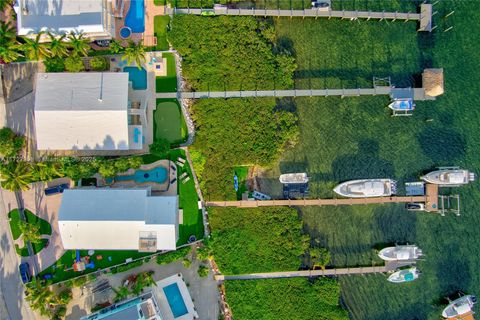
[
  {"x": 99, "y": 64},
  {"x": 14, "y": 220},
  {"x": 173, "y": 256},
  {"x": 10, "y": 143},
  {"x": 295, "y": 298},
  {"x": 257, "y": 240},
  {"x": 238, "y": 132},
  {"x": 242, "y": 173},
  {"x": 62, "y": 270},
  {"x": 230, "y": 53},
  {"x": 160, "y": 29},
  {"x": 169, "y": 82},
  {"x": 169, "y": 123}
]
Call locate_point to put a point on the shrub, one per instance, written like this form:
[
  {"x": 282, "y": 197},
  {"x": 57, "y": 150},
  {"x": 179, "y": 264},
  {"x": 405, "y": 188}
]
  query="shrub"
[
  {"x": 186, "y": 263},
  {"x": 160, "y": 147},
  {"x": 172, "y": 256},
  {"x": 74, "y": 64},
  {"x": 127, "y": 267},
  {"x": 99, "y": 64},
  {"x": 56, "y": 64},
  {"x": 203, "y": 271},
  {"x": 10, "y": 142}
]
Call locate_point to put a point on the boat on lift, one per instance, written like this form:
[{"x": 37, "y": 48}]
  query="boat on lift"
[
  {"x": 402, "y": 107},
  {"x": 404, "y": 275},
  {"x": 294, "y": 178},
  {"x": 459, "y": 307},
  {"x": 367, "y": 188},
  {"x": 449, "y": 177},
  {"x": 406, "y": 252}
]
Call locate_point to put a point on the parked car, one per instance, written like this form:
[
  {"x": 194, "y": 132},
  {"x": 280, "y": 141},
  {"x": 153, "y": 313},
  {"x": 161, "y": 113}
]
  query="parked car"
[
  {"x": 320, "y": 4},
  {"x": 57, "y": 189},
  {"x": 25, "y": 274}
]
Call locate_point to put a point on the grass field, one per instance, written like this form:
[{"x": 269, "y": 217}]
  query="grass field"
[
  {"x": 160, "y": 26},
  {"x": 350, "y": 138},
  {"x": 169, "y": 121},
  {"x": 169, "y": 82},
  {"x": 45, "y": 228},
  {"x": 296, "y": 298}
]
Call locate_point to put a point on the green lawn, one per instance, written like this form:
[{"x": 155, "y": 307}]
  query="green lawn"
[
  {"x": 160, "y": 29},
  {"x": 169, "y": 122},
  {"x": 257, "y": 240},
  {"x": 14, "y": 218},
  {"x": 169, "y": 82},
  {"x": 242, "y": 173},
  {"x": 63, "y": 268},
  {"x": 296, "y": 298},
  {"x": 36, "y": 248}
]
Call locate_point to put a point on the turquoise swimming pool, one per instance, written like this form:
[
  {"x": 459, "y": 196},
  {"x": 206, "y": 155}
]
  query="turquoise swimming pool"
[
  {"x": 135, "y": 18},
  {"x": 175, "y": 300},
  {"x": 158, "y": 175},
  {"x": 138, "y": 77}
]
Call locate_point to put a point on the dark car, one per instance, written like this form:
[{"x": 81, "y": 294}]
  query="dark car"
[
  {"x": 57, "y": 189},
  {"x": 24, "y": 269},
  {"x": 320, "y": 4}
]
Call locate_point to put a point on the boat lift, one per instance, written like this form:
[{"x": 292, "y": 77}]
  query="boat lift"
[{"x": 449, "y": 203}]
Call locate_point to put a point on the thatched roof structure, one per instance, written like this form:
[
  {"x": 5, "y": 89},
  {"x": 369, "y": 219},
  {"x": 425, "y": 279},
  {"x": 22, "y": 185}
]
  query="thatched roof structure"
[{"x": 432, "y": 80}]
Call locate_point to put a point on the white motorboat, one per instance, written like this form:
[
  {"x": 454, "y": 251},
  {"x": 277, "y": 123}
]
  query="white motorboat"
[
  {"x": 415, "y": 206},
  {"x": 367, "y": 188},
  {"x": 450, "y": 177},
  {"x": 459, "y": 307},
  {"x": 292, "y": 178},
  {"x": 405, "y": 275},
  {"x": 407, "y": 252}
]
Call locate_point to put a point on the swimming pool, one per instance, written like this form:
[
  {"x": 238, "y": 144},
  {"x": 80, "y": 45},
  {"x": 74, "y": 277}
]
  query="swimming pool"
[
  {"x": 157, "y": 174},
  {"x": 175, "y": 300},
  {"x": 135, "y": 18},
  {"x": 138, "y": 77}
]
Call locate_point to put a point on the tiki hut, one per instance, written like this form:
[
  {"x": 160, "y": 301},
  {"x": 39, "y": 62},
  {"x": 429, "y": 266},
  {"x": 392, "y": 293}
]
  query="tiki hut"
[{"x": 432, "y": 80}]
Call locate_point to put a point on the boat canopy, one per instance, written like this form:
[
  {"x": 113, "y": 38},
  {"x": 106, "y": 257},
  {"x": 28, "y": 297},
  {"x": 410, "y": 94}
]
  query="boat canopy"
[
  {"x": 294, "y": 178},
  {"x": 369, "y": 188},
  {"x": 453, "y": 177}
]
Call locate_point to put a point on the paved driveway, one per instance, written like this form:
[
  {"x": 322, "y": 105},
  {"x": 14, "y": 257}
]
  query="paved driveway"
[{"x": 47, "y": 209}]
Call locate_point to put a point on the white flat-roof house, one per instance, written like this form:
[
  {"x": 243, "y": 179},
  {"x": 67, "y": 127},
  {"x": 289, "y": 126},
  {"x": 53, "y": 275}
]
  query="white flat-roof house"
[
  {"x": 118, "y": 219},
  {"x": 88, "y": 111},
  {"x": 93, "y": 18}
]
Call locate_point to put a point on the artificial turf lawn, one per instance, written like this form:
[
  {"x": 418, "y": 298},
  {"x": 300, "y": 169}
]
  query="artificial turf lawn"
[
  {"x": 169, "y": 123},
  {"x": 169, "y": 82},
  {"x": 160, "y": 29}
]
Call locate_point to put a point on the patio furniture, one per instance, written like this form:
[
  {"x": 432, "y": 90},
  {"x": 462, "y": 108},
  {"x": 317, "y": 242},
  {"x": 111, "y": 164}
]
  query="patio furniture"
[{"x": 185, "y": 180}]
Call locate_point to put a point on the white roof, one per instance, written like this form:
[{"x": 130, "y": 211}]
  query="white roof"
[
  {"x": 82, "y": 111},
  {"x": 64, "y": 16},
  {"x": 116, "y": 219}
]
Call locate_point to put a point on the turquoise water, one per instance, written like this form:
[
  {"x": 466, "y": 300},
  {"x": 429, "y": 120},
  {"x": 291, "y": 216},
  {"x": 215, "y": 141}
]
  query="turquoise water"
[
  {"x": 158, "y": 174},
  {"x": 135, "y": 18},
  {"x": 137, "y": 76},
  {"x": 175, "y": 300}
]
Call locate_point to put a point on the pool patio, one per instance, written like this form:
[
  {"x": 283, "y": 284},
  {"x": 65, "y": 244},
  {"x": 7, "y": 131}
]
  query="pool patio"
[
  {"x": 169, "y": 187},
  {"x": 185, "y": 295}
]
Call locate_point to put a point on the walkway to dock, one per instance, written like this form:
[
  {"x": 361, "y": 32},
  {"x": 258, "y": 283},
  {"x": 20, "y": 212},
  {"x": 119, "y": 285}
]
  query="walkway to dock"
[
  {"x": 389, "y": 266},
  {"x": 416, "y": 93},
  {"x": 424, "y": 17}
]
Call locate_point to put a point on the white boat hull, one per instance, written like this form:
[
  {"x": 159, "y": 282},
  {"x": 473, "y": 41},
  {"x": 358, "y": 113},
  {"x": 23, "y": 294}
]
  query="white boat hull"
[
  {"x": 459, "y": 307},
  {"x": 400, "y": 253},
  {"x": 366, "y": 188},
  {"x": 406, "y": 275},
  {"x": 449, "y": 177}
]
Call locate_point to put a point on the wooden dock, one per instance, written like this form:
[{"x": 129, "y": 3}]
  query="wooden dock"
[{"x": 424, "y": 17}]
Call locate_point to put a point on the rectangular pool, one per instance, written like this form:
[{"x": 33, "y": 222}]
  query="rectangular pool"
[
  {"x": 138, "y": 77},
  {"x": 175, "y": 300},
  {"x": 157, "y": 174}
]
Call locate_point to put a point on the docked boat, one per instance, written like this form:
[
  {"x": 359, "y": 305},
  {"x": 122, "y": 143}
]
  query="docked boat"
[
  {"x": 294, "y": 178},
  {"x": 367, "y": 188},
  {"x": 407, "y": 252},
  {"x": 405, "y": 275},
  {"x": 414, "y": 206},
  {"x": 402, "y": 106},
  {"x": 459, "y": 307},
  {"x": 450, "y": 177}
]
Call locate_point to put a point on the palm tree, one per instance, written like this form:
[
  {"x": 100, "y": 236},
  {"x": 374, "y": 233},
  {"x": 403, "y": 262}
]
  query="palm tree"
[
  {"x": 115, "y": 46},
  {"x": 144, "y": 279},
  {"x": 39, "y": 297},
  {"x": 16, "y": 176},
  {"x": 121, "y": 293},
  {"x": 135, "y": 52},
  {"x": 30, "y": 232},
  {"x": 46, "y": 171},
  {"x": 7, "y": 33},
  {"x": 58, "y": 46},
  {"x": 34, "y": 49},
  {"x": 79, "y": 44},
  {"x": 9, "y": 53}
]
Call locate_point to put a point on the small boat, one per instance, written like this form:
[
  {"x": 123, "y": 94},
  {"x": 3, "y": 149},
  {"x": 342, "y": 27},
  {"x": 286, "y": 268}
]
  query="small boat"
[
  {"x": 459, "y": 307},
  {"x": 405, "y": 275},
  {"x": 407, "y": 252},
  {"x": 450, "y": 177},
  {"x": 403, "y": 105},
  {"x": 260, "y": 196},
  {"x": 235, "y": 182},
  {"x": 367, "y": 188},
  {"x": 414, "y": 206},
  {"x": 292, "y": 178}
]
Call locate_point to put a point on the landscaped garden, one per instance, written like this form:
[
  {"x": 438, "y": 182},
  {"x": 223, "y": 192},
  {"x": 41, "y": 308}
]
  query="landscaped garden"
[
  {"x": 168, "y": 83},
  {"x": 160, "y": 29},
  {"x": 169, "y": 123},
  {"x": 31, "y": 230}
]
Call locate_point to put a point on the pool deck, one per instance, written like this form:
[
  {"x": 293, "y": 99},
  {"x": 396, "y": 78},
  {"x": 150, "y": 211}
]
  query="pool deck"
[
  {"x": 163, "y": 189},
  {"x": 163, "y": 302}
]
